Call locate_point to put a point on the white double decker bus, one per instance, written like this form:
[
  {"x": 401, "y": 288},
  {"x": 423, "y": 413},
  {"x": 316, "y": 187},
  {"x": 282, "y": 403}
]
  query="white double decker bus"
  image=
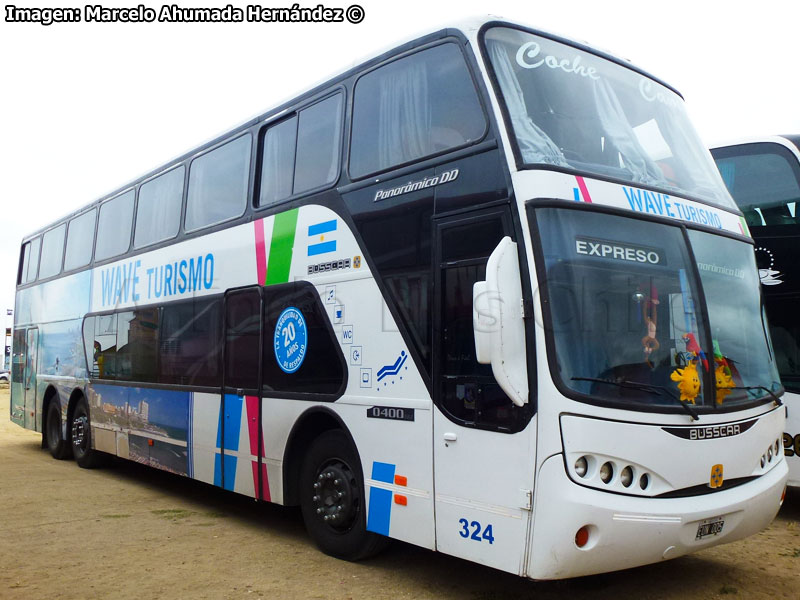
[{"x": 485, "y": 293}]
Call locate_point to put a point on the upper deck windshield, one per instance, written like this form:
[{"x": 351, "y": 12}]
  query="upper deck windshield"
[
  {"x": 764, "y": 179},
  {"x": 575, "y": 110},
  {"x": 628, "y": 324}
]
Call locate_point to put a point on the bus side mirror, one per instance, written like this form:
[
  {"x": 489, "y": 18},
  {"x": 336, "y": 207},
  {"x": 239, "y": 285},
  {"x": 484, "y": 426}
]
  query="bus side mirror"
[{"x": 497, "y": 322}]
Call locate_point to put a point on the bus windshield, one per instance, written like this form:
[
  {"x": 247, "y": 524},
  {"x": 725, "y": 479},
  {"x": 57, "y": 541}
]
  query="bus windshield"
[
  {"x": 626, "y": 319},
  {"x": 572, "y": 109}
]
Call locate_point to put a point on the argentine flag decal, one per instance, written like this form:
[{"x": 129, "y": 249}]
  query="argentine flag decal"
[{"x": 318, "y": 234}]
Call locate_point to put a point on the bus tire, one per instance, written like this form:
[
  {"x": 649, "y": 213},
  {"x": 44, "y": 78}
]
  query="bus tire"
[
  {"x": 332, "y": 499},
  {"x": 54, "y": 438},
  {"x": 86, "y": 456}
]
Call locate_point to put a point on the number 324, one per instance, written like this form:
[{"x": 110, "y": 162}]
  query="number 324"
[{"x": 478, "y": 532}]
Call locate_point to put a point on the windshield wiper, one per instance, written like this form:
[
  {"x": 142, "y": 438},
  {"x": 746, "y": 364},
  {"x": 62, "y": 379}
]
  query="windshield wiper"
[
  {"x": 777, "y": 400},
  {"x": 645, "y": 387}
]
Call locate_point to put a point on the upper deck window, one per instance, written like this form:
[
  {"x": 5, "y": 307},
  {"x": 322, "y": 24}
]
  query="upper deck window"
[
  {"x": 318, "y": 133},
  {"x": 30, "y": 261},
  {"x": 301, "y": 153},
  {"x": 747, "y": 167},
  {"x": 575, "y": 110},
  {"x": 414, "y": 107},
  {"x": 52, "y": 252},
  {"x": 80, "y": 239},
  {"x": 159, "y": 212},
  {"x": 277, "y": 167},
  {"x": 114, "y": 228},
  {"x": 218, "y": 184}
]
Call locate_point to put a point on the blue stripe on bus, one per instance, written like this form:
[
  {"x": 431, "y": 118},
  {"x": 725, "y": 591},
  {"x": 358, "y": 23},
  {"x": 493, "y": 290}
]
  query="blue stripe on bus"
[
  {"x": 233, "y": 422},
  {"x": 230, "y": 471},
  {"x": 231, "y": 411},
  {"x": 320, "y": 228},
  {"x": 380, "y": 500},
  {"x": 383, "y": 472},
  {"x": 314, "y": 249}
]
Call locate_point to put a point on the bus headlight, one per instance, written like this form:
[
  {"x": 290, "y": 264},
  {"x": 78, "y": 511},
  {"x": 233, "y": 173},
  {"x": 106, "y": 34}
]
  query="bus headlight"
[
  {"x": 581, "y": 466},
  {"x": 626, "y": 477},
  {"x": 606, "y": 472}
]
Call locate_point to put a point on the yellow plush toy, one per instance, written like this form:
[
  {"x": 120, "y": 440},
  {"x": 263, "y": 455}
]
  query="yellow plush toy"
[
  {"x": 724, "y": 382},
  {"x": 688, "y": 382}
]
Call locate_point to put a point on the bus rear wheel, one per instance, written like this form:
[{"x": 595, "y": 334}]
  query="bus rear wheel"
[
  {"x": 58, "y": 446},
  {"x": 86, "y": 456},
  {"x": 332, "y": 499}
]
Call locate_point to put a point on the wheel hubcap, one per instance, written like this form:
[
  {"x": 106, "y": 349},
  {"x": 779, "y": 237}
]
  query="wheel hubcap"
[
  {"x": 79, "y": 431},
  {"x": 335, "y": 496}
]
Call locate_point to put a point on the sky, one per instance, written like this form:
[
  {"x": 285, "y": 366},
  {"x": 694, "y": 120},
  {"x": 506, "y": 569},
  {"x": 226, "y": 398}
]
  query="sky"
[{"x": 87, "y": 107}]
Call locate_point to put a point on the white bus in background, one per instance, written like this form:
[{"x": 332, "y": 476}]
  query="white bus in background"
[
  {"x": 485, "y": 293},
  {"x": 763, "y": 176}
]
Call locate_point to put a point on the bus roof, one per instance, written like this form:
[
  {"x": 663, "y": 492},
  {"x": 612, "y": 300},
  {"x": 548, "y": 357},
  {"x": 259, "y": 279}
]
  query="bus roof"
[
  {"x": 467, "y": 29},
  {"x": 792, "y": 139}
]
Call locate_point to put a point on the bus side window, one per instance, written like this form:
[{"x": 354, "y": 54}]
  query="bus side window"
[
  {"x": 25, "y": 256},
  {"x": 218, "y": 184},
  {"x": 413, "y": 107},
  {"x": 80, "y": 240},
  {"x": 318, "y": 133},
  {"x": 114, "y": 227},
  {"x": 137, "y": 345},
  {"x": 88, "y": 346},
  {"x": 32, "y": 269},
  {"x": 105, "y": 347},
  {"x": 158, "y": 214},
  {"x": 469, "y": 391},
  {"x": 52, "y": 252},
  {"x": 277, "y": 162},
  {"x": 301, "y": 153},
  {"x": 243, "y": 329},
  {"x": 190, "y": 346}
]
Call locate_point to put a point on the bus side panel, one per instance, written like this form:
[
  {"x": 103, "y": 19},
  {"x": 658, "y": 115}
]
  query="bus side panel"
[
  {"x": 204, "y": 417},
  {"x": 395, "y": 459},
  {"x": 398, "y": 471},
  {"x": 56, "y": 351},
  {"x": 147, "y": 425},
  {"x": 791, "y": 437}
]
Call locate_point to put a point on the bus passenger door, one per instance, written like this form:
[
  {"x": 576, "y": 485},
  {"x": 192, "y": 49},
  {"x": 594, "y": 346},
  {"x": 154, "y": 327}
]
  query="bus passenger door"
[
  {"x": 238, "y": 465},
  {"x": 31, "y": 360},
  {"x": 19, "y": 376},
  {"x": 483, "y": 451}
]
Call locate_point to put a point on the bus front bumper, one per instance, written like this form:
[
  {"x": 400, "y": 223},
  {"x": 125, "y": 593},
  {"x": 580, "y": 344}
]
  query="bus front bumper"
[{"x": 629, "y": 531}]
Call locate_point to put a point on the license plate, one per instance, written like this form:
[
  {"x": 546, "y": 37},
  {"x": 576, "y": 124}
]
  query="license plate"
[{"x": 709, "y": 528}]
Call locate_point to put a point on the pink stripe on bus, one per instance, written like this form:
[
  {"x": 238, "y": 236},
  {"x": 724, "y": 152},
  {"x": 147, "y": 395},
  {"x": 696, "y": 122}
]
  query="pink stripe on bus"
[
  {"x": 252, "y": 425},
  {"x": 261, "y": 252},
  {"x": 584, "y": 190},
  {"x": 252, "y": 428},
  {"x": 265, "y": 495}
]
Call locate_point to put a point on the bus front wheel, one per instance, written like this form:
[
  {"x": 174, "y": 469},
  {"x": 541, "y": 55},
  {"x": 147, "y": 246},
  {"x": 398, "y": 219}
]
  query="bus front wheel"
[
  {"x": 332, "y": 499},
  {"x": 86, "y": 456},
  {"x": 58, "y": 446}
]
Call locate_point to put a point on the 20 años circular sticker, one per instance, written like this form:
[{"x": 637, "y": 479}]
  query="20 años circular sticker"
[{"x": 291, "y": 340}]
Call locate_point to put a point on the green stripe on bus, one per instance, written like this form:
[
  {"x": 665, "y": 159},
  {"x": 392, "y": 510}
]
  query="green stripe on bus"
[
  {"x": 281, "y": 247},
  {"x": 745, "y": 228}
]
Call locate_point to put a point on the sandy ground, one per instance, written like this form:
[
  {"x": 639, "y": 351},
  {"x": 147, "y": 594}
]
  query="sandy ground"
[{"x": 131, "y": 532}]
